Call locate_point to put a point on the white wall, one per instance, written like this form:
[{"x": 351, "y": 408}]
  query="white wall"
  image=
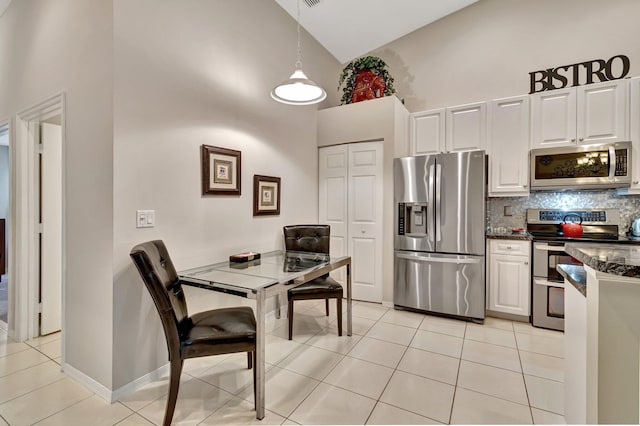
[
  {"x": 190, "y": 73},
  {"x": 486, "y": 50},
  {"x": 53, "y": 46}
]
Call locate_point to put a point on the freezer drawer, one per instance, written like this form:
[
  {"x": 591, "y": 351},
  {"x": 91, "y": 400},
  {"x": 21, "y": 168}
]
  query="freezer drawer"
[{"x": 442, "y": 283}]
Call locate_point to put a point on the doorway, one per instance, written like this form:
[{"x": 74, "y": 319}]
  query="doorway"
[
  {"x": 4, "y": 224},
  {"x": 36, "y": 249},
  {"x": 50, "y": 219}
]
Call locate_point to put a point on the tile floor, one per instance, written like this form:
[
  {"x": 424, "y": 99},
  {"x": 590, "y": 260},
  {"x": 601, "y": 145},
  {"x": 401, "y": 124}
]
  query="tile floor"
[{"x": 397, "y": 368}]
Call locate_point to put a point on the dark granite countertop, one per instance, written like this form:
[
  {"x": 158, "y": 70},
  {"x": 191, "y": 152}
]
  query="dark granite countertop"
[
  {"x": 576, "y": 275},
  {"x": 616, "y": 259},
  {"x": 509, "y": 236}
]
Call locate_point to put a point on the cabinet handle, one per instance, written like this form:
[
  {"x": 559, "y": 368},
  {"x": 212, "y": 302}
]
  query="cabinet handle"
[
  {"x": 526, "y": 263},
  {"x": 508, "y": 247},
  {"x": 573, "y": 140},
  {"x": 635, "y": 182},
  {"x": 581, "y": 139},
  {"x": 524, "y": 186}
]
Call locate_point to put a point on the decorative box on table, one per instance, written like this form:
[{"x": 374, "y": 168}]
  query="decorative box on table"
[{"x": 244, "y": 257}]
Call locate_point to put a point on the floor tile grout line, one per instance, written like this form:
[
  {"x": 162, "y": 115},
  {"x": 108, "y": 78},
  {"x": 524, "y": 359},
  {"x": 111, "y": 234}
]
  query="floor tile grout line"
[
  {"x": 394, "y": 369},
  {"x": 524, "y": 381},
  {"x": 455, "y": 387},
  {"x": 67, "y": 407},
  {"x": 26, "y": 368},
  {"x": 35, "y": 389},
  {"x": 314, "y": 388}
]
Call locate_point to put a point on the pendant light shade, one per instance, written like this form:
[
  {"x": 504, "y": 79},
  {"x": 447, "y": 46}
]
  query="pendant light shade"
[{"x": 298, "y": 89}]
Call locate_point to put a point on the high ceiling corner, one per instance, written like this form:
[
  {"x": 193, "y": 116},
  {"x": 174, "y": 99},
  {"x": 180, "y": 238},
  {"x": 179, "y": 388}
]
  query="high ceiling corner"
[{"x": 351, "y": 28}]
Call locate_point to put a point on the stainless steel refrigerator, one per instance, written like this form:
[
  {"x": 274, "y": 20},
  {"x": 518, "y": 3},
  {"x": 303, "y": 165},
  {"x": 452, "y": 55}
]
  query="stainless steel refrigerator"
[{"x": 440, "y": 233}]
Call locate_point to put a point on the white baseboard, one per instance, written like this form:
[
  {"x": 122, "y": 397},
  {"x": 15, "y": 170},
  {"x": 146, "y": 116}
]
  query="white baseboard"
[
  {"x": 138, "y": 383},
  {"x": 113, "y": 396},
  {"x": 94, "y": 386},
  {"x": 133, "y": 386}
]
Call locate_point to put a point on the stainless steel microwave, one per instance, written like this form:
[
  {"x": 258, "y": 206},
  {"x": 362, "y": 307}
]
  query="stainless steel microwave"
[{"x": 581, "y": 167}]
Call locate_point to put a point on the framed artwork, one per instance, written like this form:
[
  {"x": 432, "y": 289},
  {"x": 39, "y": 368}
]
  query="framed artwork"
[
  {"x": 220, "y": 171},
  {"x": 266, "y": 195}
]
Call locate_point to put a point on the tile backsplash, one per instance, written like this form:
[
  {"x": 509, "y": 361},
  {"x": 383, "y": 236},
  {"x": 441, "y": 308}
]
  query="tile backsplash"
[{"x": 629, "y": 206}]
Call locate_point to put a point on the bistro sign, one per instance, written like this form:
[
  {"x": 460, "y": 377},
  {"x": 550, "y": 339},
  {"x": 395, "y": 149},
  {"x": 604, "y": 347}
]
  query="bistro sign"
[{"x": 589, "y": 72}]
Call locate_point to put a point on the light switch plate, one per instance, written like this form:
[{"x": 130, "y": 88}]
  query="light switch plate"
[{"x": 145, "y": 218}]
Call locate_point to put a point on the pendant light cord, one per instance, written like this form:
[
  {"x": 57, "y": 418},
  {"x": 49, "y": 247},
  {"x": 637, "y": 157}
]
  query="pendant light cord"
[{"x": 299, "y": 61}]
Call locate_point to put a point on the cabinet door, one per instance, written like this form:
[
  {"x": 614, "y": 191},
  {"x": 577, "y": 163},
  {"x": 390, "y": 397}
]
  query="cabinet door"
[
  {"x": 508, "y": 146},
  {"x": 365, "y": 219},
  {"x": 553, "y": 118},
  {"x": 350, "y": 201},
  {"x": 466, "y": 127},
  {"x": 603, "y": 112},
  {"x": 427, "y": 132},
  {"x": 509, "y": 284},
  {"x": 333, "y": 196},
  {"x": 634, "y": 119}
]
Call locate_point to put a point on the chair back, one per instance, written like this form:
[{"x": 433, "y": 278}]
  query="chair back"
[
  {"x": 311, "y": 238},
  {"x": 160, "y": 277}
]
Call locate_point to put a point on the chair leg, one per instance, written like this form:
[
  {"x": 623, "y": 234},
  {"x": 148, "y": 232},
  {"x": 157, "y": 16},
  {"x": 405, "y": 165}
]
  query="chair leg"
[
  {"x": 174, "y": 384},
  {"x": 339, "y": 307},
  {"x": 290, "y": 313},
  {"x": 326, "y": 306},
  {"x": 249, "y": 360}
]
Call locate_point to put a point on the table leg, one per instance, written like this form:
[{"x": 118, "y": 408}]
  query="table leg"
[
  {"x": 260, "y": 353},
  {"x": 349, "y": 327}
]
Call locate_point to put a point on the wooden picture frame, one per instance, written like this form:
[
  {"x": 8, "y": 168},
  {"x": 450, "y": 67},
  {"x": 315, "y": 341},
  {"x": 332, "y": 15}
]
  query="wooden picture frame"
[
  {"x": 221, "y": 171},
  {"x": 266, "y": 195}
]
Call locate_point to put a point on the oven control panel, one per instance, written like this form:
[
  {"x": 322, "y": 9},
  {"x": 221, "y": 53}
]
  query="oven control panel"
[{"x": 555, "y": 216}]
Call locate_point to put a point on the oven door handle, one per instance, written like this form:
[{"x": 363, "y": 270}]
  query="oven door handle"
[
  {"x": 547, "y": 247},
  {"x": 542, "y": 281}
]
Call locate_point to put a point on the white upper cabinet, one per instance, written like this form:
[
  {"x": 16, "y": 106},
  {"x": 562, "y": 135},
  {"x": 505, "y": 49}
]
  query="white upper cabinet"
[
  {"x": 466, "y": 127},
  {"x": 508, "y": 146},
  {"x": 603, "y": 112},
  {"x": 594, "y": 113},
  {"x": 634, "y": 85},
  {"x": 427, "y": 132},
  {"x": 553, "y": 118}
]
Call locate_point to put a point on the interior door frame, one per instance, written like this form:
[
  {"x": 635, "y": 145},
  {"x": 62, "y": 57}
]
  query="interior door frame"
[
  {"x": 24, "y": 255},
  {"x": 6, "y": 123}
]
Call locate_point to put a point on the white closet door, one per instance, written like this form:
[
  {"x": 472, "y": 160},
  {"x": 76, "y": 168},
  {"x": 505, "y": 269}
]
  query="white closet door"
[
  {"x": 332, "y": 173},
  {"x": 365, "y": 219},
  {"x": 51, "y": 239}
]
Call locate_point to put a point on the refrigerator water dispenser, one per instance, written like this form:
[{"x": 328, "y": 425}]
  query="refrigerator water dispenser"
[{"x": 412, "y": 219}]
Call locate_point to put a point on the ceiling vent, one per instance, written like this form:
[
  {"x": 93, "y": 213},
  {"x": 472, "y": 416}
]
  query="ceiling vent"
[{"x": 311, "y": 3}]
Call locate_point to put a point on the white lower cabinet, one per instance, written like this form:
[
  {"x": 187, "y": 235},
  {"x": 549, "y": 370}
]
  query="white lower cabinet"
[{"x": 509, "y": 276}]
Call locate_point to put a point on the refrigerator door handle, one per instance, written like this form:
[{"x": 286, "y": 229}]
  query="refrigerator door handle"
[
  {"x": 439, "y": 259},
  {"x": 430, "y": 200},
  {"x": 438, "y": 190}
]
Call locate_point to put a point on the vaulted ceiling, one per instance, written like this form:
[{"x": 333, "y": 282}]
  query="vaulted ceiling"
[{"x": 351, "y": 28}]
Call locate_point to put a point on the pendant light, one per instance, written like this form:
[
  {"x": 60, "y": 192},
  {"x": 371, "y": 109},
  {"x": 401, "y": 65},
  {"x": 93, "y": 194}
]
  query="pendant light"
[{"x": 298, "y": 89}]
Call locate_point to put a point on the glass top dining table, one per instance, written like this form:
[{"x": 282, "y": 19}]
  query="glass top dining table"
[{"x": 271, "y": 275}]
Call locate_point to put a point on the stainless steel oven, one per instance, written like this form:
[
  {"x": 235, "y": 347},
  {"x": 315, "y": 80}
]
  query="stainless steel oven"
[
  {"x": 548, "y": 284},
  {"x": 548, "y": 252}
]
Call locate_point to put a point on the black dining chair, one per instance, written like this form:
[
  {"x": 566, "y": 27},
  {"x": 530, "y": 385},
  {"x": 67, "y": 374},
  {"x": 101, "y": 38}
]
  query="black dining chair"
[
  {"x": 312, "y": 238},
  {"x": 214, "y": 332}
]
